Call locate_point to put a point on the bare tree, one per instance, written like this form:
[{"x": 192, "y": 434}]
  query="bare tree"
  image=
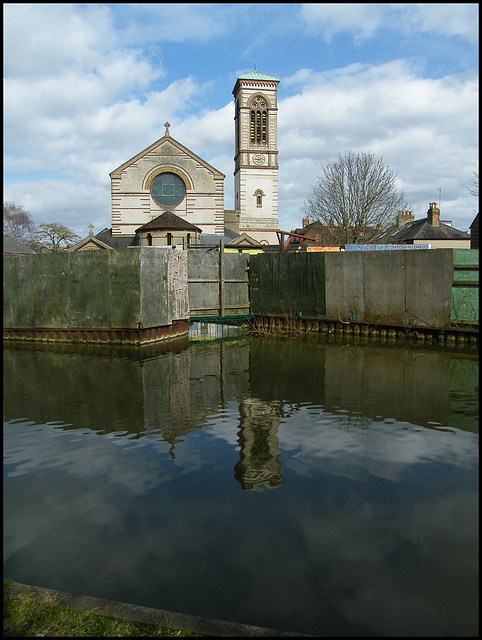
[
  {"x": 53, "y": 237},
  {"x": 473, "y": 187},
  {"x": 355, "y": 198},
  {"x": 17, "y": 222}
]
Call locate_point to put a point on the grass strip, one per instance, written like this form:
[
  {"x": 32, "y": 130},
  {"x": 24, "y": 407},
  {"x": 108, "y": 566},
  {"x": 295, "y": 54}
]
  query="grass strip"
[{"x": 27, "y": 617}]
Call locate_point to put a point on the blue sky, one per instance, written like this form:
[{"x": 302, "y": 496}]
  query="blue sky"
[{"x": 88, "y": 86}]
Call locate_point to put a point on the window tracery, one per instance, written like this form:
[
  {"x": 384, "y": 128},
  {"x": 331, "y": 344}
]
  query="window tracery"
[{"x": 259, "y": 120}]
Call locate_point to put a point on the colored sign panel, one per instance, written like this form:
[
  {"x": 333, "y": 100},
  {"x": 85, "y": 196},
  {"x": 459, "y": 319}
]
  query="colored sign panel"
[
  {"x": 385, "y": 247},
  {"x": 311, "y": 249}
]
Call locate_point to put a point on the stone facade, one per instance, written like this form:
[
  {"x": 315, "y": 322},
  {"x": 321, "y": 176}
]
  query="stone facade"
[
  {"x": 137, "y": 186},
  {"x": 256, "y": 156},
  {"x": 131, "y": 188}
]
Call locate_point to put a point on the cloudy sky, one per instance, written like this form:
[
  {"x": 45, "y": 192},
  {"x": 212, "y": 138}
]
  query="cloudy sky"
[{"x": 88, "y": 86}]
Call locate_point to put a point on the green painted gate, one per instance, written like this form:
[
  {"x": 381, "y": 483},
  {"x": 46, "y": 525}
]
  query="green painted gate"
[{"x": 465, "y": 287}]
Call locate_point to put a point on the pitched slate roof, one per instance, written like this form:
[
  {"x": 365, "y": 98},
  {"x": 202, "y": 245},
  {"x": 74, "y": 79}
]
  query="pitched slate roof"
[
  {"x": 116, "y": 242},
  {"x": 423, "y": 230},
  {"x": 169, "y": 221},
  {"x": 89, "y": 240},
  {"x": 13, "y": 247}
]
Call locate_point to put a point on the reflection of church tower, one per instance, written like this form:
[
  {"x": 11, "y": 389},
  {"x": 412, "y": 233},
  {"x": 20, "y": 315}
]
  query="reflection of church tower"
[
  {"x": 259, "y": 468},
  {"x": 256, "y": 156}
]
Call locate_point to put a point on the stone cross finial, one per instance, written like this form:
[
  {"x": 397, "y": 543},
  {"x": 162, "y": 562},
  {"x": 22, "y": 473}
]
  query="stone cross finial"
[
  {"x": 167, "y": 125},
  {"x": 91, "y": 226}
]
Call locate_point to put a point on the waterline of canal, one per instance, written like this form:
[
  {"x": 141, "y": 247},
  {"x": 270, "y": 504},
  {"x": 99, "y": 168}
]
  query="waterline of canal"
[{"x": 307, "y": 485}]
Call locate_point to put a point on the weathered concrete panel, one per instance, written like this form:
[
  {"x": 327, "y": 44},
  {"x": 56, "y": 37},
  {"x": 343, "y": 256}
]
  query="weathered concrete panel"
[
  {"x": 96, "y": 289},
  {"x": 399, "y": 287},
  {"x": 123, "y": 268},
  {"x": 18, "y": 297},
  {"x": 429, "y": 286},
  {"x": 154, "y": 289},
  {"x": 393, "y": 287},
  {"x": 58, "y": 290},
  {"x": 178, "y": 298},
  {"x": 86, "y": 290},
  {"x": 345, "y": 297},
  {"x": 164, "y": 295},
  {"x": 287, "y": 284},
  {"x": 384, "y": 277}
]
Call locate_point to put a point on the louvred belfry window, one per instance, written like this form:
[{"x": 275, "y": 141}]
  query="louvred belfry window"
[{"x": 259, "y": 121}]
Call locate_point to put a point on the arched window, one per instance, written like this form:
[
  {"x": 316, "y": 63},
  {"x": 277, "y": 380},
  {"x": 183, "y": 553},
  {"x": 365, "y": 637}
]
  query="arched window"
[
  {"x": 259, "y": 197},
  {"x": 259, "y": 121}
]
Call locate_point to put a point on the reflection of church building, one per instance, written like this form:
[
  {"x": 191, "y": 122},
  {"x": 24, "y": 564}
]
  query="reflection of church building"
[
  {"x": 259, "y": 467},
  {"x": 168, "y": 178}
]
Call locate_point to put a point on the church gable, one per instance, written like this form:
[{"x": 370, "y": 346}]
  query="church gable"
[
  {"x": 164, "y": 148},
  {"x": 166, "y": 176},
  {"x": 244, "y": 239}
]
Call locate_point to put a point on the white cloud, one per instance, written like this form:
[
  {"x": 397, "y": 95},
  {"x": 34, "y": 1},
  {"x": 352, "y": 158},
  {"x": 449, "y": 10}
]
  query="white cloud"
[
  {"x": 365, "y": 20},
  {"x": 447, "y": 19},
  {"x": 330, "y": 18},
  {"x": 178, "y": 22},
  {"x": 211, "y": 131},
  {"x": 74, "y": 203},
  {"x": 44, "y": 38},
  {"x": 425, "y": 130}
]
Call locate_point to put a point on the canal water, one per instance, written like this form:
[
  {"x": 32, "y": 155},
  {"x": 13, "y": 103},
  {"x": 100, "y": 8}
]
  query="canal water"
[{"x": 315, "y": 485}]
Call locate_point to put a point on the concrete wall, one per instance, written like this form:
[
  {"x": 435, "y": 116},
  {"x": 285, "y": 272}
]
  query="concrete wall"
[
  {"x": 399, "y": 287},
  {"x": 396, "y": 287},
  {"x": 288, "y": 284},
  {"x": 95, "y": 289},
  {"x": 149, "y": 287}
]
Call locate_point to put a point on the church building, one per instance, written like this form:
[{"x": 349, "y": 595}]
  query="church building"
[{"x": 169, "y": 178}]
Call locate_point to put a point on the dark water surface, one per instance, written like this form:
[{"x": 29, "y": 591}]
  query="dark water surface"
[{"x": 320, "y": 487}]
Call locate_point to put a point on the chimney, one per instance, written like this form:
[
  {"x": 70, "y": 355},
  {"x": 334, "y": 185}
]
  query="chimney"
[
  {"x": 305, "y": 222},
  {"x": 433, "y": 214},
  {"x": 403, "y": 217}
]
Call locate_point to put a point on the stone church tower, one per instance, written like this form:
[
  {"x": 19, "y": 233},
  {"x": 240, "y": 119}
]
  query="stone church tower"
[{"x": 256, "y": 156}]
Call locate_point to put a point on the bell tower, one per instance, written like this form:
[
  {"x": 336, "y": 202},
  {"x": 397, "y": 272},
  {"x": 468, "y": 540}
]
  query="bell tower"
[{"x": 256, "y": 156}]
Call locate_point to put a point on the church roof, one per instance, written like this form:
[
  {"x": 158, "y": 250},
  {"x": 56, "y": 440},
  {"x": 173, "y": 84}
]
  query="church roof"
[
  {"x": 116, "y": 242},
  {"x": 169, "y": 220},
  {"x": 423, "y": 230},
  {"x": 256, "y": 75}
]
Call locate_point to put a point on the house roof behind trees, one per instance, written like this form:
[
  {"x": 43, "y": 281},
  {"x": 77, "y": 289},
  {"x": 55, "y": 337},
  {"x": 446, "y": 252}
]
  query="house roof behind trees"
[
  {"x": 13, "y": 247},
  {"x": 423, "y": 230}
]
